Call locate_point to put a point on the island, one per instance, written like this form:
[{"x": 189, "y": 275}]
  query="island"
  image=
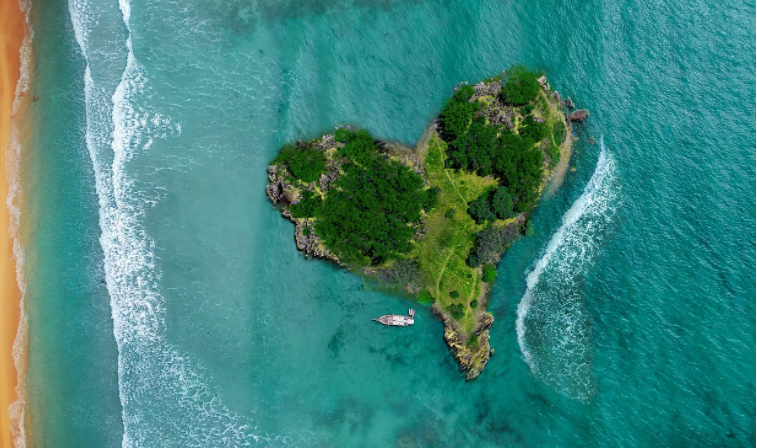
[{"x": 432, "y": 222}]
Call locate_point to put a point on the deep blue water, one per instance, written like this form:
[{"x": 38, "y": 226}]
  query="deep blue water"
[{"x": 168, "y": 305}]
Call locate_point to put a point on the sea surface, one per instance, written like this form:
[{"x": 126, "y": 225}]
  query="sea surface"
[{"x": 168, "y": 306}]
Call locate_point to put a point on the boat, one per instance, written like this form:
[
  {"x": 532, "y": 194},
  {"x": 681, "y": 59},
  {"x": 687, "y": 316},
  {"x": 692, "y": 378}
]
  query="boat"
[{"x": 397, "y": 320}]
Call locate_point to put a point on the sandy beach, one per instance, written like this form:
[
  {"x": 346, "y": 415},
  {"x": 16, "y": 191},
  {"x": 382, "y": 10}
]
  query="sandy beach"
[{"x": 12, "y": 30}]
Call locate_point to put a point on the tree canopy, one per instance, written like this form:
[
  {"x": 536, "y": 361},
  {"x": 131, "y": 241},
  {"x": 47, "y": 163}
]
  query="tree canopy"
[
  {"x": 305, "y": 163},
  {"x": 520, "y": 87},
  {"x": 457, "y": 113},
  {"x": 371, "y": 212}
]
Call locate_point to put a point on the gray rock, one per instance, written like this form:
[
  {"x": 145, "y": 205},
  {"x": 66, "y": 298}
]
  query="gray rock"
[
  {"x": 579, "y": 115},
  {"x": 569, "y": 102}
]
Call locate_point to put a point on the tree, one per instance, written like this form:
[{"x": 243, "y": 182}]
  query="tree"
[
  {"x": 371, "y": 213},
  {"x": 359, "y": 146},
  {"x": 502, "y": 203},
  {"x": 476, "y": 149},
  {"x": 307, "y": 206},
  {"x": 305, "y": 163},
  {"x": 480, "y": 209},
  {"x": 520, "y": 87},
  {"x": 491, "y": 242},
  {"x": 534, "y": 129},
  {"x": 457, "y": 113}
]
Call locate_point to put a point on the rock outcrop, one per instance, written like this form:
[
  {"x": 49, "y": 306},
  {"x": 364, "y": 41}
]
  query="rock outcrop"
[
  {"x": 472, "y": 354},
  {"x": 579, "y": 115}
]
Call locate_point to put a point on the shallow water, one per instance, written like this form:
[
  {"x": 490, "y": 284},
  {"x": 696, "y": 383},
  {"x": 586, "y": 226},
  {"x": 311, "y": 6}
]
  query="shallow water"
[{"x": 169, "y": 307}]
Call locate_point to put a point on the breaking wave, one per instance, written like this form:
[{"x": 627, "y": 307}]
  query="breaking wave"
[
  {"x": 164, "y": 394},
  {"x": 554, "y": 330}
]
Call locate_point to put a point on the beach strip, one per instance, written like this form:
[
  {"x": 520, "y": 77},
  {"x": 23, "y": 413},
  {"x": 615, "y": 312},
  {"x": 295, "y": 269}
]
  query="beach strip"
[{"x": 12, "y": 31}]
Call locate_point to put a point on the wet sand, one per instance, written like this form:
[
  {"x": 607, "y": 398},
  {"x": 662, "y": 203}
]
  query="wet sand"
[{"x": 12, "y": 30}]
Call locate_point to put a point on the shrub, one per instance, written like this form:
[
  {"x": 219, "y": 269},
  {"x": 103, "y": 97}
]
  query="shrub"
[
  {"x": 425, "y": 298},
  {"x": 454, "y": 294},
  {"x": 307, "y": 206},
  {"x": 502, "y": 203},
  {"x": 472, "y": 341},
  {"x": 457, "y": 310},
  {"x": 306, "y": 164},
  {"x": 450, "y": 213},
  {"x": 491, "y": 242},
  {"x": 480, "y": 209},
  {"x": 530, "y": 229},
  {"x": 527, "y": 109},
  {"x": 490, "y": 273},
  {"x": 520, "y": 88},
  {"x": 432, "y": 198},
  {"x": 474, "y": 304},
  {"x": 306, "y": 231},
  {"x": 398, "y": 275}
]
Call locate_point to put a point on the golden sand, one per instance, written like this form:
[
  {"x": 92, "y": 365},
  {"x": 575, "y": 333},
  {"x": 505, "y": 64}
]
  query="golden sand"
[{"x": 12, "y": 31}]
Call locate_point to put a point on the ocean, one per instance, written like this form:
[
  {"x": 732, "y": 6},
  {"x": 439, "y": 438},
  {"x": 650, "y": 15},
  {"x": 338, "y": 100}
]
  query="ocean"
[{"x": 167, "y": 303}]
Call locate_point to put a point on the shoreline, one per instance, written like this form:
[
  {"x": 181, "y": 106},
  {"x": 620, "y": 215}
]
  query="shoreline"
[
  {"x": 466, "y": 321},
  {"x": 12, "y": 337}
]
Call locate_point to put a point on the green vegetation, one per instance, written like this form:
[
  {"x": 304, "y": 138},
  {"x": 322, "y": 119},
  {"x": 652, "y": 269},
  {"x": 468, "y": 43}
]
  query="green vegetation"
[
  {"x": 480, "y": 209},
  {"x": 520, "y": 87},
  {"x": 307, "y": 206},
  {"x": 457, "y": 113},
  {"x": 450, "y": 235},
  {"x": 491, "y": 242},
  {"x": 424, "y": 297},
  {"x": 512, "y": 156},
  {"x": 492, "y": 204},
  {"x": 434, "y": 221},
  {"x": 372, "y": 214},
  {"x": 530, "y": 229},
  {"x": 490, "y": 273},
  {"x": 457, "y": 310},
  {"x": 305, "y": 163},
  {"x": 359, "y": 146}
]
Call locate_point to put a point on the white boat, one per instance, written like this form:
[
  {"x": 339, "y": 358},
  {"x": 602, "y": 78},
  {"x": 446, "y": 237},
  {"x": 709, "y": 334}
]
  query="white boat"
[{"x": 396, "y": 320}]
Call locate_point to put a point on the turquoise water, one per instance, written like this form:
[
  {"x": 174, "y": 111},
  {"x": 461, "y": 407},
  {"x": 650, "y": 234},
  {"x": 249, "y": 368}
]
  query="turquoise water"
[{"x": 169, "y": 307}]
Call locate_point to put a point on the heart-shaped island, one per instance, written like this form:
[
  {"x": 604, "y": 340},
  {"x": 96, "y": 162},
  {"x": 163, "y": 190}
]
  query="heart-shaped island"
[{"x": 432, "y": 222}]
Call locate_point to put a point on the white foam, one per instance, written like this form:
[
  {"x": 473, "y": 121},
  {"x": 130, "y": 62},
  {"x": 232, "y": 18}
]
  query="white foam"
[
  {"x": 561, "y": 328},
  {"x": 13, "y": 202},
  {"x": 164, "y": 394}
]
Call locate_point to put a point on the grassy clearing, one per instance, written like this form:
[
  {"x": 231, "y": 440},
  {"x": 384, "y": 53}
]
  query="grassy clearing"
[{"x": 450, "y": 233}]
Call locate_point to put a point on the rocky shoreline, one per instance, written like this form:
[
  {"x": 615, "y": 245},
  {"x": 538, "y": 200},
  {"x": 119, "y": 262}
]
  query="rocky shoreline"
[{"x": 471, "y": 350}]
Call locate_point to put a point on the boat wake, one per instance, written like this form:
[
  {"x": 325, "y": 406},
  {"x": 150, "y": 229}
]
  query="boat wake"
[{"x": 554, "y": 329}]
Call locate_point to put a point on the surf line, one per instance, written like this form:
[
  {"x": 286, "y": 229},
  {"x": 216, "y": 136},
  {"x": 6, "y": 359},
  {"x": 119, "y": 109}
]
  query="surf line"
[
  {"x": 594, "y": 200},
  {"x": 16, "y": 34}
]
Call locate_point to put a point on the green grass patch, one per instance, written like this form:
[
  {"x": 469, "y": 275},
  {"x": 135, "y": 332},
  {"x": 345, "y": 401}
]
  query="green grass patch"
[{"x": 450, "y": 234}]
